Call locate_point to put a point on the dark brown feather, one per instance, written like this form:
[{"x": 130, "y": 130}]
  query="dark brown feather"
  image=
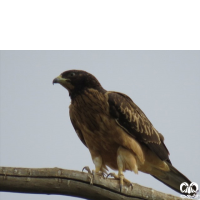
[
  {"x": 78, "y": 131},
  {"x": 131, "y": 118}
]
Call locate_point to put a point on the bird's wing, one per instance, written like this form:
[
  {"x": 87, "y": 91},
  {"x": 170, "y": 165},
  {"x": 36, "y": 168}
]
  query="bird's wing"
[{"x": 131, "y": 118}]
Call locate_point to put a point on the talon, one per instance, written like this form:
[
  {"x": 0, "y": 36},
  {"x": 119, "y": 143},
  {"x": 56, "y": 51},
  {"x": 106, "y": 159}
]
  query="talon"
[
  {"x": 131, "y": 185},
  {"x": 120, "y": 188},
  {"x": 108, "y": 175},
  {"x": 104, "y": 174},
  {"x": 87, "y": 169},
  {"x": 91, "y": 174},
  {"x": 121, "y": 178},
  {"x": 112, "y": 175}
]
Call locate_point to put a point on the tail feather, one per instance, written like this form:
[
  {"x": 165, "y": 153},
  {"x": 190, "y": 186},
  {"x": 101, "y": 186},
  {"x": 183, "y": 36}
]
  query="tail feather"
[{"x": 172, "y": 178}]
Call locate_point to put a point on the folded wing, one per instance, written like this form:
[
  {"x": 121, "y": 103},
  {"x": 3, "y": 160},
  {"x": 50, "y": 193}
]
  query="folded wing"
[{"x": 131, "y": 118}]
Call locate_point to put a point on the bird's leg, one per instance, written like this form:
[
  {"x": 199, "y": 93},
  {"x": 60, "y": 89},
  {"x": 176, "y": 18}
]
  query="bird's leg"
[
  {"x": 121, "y": 159},
  {"x": 98, "y": 164}
]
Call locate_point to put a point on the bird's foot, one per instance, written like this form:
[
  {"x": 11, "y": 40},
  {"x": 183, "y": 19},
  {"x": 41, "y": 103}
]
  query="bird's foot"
[
  {"x": 121, "y": 179},
  {"x": 91, "y": 174}
]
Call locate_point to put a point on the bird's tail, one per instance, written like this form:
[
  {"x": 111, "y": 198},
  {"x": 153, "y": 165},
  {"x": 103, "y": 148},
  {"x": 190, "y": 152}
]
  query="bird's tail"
[{"x": 175, "y": 180}]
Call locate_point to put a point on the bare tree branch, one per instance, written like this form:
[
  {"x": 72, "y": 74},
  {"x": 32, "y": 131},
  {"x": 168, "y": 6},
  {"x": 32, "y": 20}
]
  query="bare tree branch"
[{"x": 72, "y": 183}]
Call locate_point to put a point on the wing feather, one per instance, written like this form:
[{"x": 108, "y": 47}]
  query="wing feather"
[{"x": 131, "y": 118}]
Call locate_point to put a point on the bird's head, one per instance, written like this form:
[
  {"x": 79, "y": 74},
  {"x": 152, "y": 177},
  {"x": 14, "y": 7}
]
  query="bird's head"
[{"x": 76, "y": 81}]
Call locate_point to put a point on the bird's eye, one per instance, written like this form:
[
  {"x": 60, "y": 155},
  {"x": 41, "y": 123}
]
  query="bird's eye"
[{"x": 72, "y": 74}]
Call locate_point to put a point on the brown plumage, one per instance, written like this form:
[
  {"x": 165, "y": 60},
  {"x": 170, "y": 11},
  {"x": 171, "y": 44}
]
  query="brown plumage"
[{"x": 116, "y": 131}]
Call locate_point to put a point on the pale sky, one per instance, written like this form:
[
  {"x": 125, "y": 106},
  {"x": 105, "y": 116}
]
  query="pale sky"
[{"x": 35, "y": 127}]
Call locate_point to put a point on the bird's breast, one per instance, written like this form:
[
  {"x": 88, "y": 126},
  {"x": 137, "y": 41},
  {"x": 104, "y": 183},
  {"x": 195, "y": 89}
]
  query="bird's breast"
[{"x": 91, "y": 112}]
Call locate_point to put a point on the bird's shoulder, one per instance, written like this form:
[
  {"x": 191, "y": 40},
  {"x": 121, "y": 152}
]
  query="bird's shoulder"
[{"x": 123, "y": 108}]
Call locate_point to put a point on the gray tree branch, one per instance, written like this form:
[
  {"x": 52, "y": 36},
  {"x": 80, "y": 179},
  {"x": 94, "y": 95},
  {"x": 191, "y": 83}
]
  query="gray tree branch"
[{"x": 72, "y": 183}]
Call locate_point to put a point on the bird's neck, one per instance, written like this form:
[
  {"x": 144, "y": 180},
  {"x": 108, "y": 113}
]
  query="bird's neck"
[{"x": 76, "y": 93}]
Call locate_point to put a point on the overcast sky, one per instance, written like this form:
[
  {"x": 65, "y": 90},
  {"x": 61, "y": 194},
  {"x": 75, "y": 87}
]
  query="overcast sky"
[{"x": 35, "y": 127}]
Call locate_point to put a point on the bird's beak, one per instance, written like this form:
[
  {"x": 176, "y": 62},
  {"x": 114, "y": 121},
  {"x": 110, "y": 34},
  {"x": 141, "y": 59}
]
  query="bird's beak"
[{"x": 60, "y": 80}]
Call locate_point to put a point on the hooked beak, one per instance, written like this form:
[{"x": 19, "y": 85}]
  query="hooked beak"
[
  {"x": 60, "y": 80},
  {"x": 55, "y": 80}
]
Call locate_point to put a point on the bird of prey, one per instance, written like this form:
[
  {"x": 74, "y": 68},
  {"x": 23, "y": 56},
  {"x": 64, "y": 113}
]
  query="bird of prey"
[{"x": 116, "y": 131}]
